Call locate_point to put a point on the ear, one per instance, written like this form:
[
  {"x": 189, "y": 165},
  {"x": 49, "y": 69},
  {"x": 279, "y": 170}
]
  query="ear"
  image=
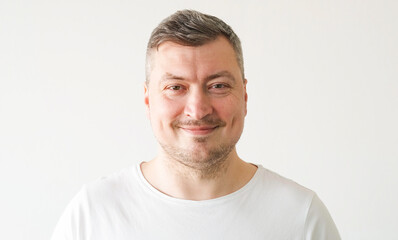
[
  {"x": 146, "y": 98},
  {"x": 246, "y": 97}
]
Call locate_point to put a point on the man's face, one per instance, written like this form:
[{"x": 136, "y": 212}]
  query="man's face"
[{"x": 196, "y": 101}]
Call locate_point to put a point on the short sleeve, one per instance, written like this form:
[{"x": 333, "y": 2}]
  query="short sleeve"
[{"x": 319, "y": 224}]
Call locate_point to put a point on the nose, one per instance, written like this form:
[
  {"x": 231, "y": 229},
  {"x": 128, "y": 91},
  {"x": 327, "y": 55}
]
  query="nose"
[{"x": 198, "y": 104}]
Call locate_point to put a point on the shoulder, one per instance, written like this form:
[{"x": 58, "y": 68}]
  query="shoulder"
[
  {"x": 294, "y": 201},
  {"x": 112, "y": 190},
  {"x": 282, "y": 187},
  {"x": 106, "y": 190},
  {"x": 293, "y": 206},
  {"x": 117, "y": 182},
  {"x": 283, "y": 199},
  {"x": 96, "y": 203}
]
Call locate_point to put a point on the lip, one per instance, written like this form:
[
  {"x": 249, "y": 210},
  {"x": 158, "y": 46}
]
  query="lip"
[{"x": 199, "y": 130}]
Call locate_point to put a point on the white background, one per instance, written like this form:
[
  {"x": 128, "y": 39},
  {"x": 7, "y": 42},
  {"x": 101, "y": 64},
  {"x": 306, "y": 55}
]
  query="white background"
[{"x": 323, "y": 102}]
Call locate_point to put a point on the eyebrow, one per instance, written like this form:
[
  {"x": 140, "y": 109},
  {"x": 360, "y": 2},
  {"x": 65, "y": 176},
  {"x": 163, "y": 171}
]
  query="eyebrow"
[
  {"x": 169, "y": 76},
  {"x": 226, "y": 74}
]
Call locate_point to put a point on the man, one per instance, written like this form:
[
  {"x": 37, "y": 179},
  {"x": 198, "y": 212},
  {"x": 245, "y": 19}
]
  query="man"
[{"x": 197, "y": 187}]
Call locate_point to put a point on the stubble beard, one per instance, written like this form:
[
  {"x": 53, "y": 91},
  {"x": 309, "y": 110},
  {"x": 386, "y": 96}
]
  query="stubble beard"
[
  {"x": 199, "y": 157},
  {"x": 201, "y": 162}
]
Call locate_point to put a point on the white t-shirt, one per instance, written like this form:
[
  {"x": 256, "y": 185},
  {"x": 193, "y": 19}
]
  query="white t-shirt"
[{"x": 125, "y": 206}]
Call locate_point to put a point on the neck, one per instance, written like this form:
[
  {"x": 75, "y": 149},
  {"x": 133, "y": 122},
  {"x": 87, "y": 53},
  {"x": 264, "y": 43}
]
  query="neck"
[{"x": 180, "y": 180}]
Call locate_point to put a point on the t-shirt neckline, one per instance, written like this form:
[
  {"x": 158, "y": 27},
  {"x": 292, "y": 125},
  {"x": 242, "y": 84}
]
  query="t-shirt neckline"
[{"x": 149, "y": 188}]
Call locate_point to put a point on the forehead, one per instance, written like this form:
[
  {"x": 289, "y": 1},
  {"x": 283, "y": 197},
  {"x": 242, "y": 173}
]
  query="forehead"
[{"x": 214, "y": 56}]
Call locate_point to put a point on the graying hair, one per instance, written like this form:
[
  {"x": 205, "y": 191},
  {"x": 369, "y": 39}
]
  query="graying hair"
[{"x": 192, "y": 28}]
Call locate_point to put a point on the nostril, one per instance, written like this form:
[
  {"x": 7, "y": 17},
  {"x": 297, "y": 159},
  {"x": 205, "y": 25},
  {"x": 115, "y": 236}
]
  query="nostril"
[{"x": 198, "y": 111}]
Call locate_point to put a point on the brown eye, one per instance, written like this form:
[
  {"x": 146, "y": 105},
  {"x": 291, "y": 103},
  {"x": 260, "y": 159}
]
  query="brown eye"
[
  {"x": 218, "y": 85},
  {"x": 219, "y": 88},
  {"x": 175, "y": 88}
]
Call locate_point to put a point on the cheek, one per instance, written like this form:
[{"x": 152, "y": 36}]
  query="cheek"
[
  {"x": 163, "y": 110},
  {"x": 230, "y": 110}
]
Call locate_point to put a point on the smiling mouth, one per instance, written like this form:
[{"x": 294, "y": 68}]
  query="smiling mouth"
[{"x": 199, "y": 130}]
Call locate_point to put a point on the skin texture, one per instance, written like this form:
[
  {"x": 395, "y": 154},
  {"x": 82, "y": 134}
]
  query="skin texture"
[{"x": 196, "y": 101}]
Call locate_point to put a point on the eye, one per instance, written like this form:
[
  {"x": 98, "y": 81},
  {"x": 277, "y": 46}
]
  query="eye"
[
  {"x": 219, "y": 88},
  {"x": 174, "y": 87},
  {"x": 218, "y": 85}
]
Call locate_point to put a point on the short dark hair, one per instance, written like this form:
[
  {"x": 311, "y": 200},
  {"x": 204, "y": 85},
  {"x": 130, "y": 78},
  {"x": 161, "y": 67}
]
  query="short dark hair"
[{"x": 192, "y": 28}]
